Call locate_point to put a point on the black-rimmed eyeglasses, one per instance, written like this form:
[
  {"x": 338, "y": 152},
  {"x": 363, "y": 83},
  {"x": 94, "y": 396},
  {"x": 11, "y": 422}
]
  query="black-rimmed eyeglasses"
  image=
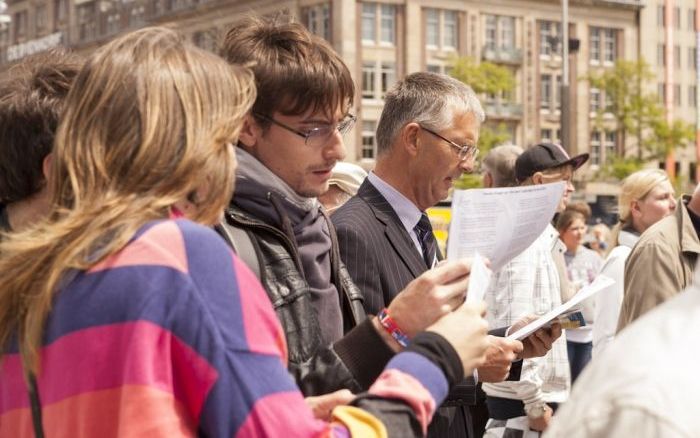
[
  {"x": 465, "y": 152},
  {"x": 318, "y": 136}
]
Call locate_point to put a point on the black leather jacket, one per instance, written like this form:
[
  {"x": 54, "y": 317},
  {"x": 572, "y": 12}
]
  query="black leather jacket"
[{"x": 317, "y": 369}]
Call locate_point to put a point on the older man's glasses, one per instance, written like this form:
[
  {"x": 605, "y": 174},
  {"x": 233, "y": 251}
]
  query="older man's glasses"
[
  {"x": 465, "y": 152},
  {"x": 317, "y": 136}
]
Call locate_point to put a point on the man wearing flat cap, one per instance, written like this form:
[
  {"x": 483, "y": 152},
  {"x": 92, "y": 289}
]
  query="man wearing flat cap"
[{"x": 532, "y": 283}]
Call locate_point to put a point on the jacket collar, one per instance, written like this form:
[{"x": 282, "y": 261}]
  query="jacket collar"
[
  {"x": 394, "y": 229},
  {"x": 686, "y": 231}
]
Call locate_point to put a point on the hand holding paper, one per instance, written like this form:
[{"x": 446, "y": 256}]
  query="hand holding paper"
[{"x": 601, "y": 282}]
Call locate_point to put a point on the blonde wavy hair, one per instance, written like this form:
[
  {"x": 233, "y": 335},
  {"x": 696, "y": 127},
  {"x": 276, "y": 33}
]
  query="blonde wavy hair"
[{"x": 149, "y": 121}]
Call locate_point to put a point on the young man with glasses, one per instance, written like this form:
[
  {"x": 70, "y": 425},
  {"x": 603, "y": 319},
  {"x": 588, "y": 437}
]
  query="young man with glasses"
[
  {"x": 287, "y": 149},
  {"x": 426, "y": 139}
]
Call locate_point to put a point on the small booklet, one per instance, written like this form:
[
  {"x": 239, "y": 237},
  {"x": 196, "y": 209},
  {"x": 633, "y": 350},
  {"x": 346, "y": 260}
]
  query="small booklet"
[{"x": 601, "y": 282}]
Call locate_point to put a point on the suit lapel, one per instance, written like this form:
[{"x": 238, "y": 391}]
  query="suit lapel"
[{"x": 393, "y": 228}]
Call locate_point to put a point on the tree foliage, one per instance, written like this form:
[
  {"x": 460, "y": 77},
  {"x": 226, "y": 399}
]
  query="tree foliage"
[
  {"x": 636, "y": 113},
  {"x": 483, "y": 77}
]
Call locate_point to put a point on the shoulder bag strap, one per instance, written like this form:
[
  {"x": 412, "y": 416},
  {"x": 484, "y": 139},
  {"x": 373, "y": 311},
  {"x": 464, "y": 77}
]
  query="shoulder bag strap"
[
  {"x": 35, "y": 406},
  {"x": 241, "y": 243}
]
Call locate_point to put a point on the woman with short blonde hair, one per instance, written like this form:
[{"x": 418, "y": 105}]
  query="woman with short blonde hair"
[{"x": 646, "y": 197}]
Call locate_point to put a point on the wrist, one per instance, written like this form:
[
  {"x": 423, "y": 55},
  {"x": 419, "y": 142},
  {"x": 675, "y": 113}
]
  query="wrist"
[
  {"x": 386, "y": 337},
  {"x": 392, "y": 328},
  {"x": 535, "y": 410}
]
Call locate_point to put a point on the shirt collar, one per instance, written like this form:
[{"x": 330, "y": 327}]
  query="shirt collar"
[{"x": 406, "y": 210}]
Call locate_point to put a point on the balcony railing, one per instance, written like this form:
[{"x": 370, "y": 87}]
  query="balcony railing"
[
  {"x": 504, "y": 110},
  {"x": 503, "y": 55}
]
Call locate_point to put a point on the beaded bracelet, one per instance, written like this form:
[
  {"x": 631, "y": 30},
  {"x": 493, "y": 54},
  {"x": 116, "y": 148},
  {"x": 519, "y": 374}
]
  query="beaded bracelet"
[{"x": 392, "y": 328}]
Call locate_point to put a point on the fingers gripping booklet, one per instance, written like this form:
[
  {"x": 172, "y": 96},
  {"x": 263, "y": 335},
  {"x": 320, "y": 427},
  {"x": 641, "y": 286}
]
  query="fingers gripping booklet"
[{"x": 600, "y": 283}]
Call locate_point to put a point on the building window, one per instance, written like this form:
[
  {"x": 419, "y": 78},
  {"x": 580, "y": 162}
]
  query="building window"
[
  {"x": 677, "y": 56},
  {"x": 610, "y": 145},
  {"x": 136, "y": 14},
  {"x": 432, "y": 26},
  {"x": 60, "y": 10},
  {"x": 439, "y": 68},
  {"x": 450, "y": 29},
  {"x": 691, "y": 19},
  {"x": 661, "y": 54},
  {"x": 388, "y": 24},
  {"x": 369, "y": 22},
  {"x": 692, "y": 58},
  {"x": 603, "y": 45},
  {"x": 595, "y": 148},
  {"x": 318, "y": 20},
  {"x": 368, "y": 80},
  {"x": 677, "y": 17},
  {"x": 377, "y": 78},
  {"x": 20, "y": 24},
  {"x": 661, "y": 91},
  {"x": 557, "y": 93},
  {"x": 4, "y": 36},
  {"x": 660, "y": 15},
  {"x": 113, "y": 21},
  {"x": 549, "y": 32},
  {"x": 87, "y": 21},
  {"x": 388, "y": 77},
  {"x": 546, "y": 135},
  {"x": 595, "y": 100},
  {"x": 368, "y": 139},
  {"x": 545, "y": 92},
  {"x": 692, "y": 96},
  {"x": 176, "y": 5},
  {"x": 441, "y": 29},
  {"x": 677, "y": 94},
  {"x": 500, "y": 32},
  {"x": 491, "y": 32},
  {"x": 386, "y": 14},
  {"x": 41, "y": 17}
]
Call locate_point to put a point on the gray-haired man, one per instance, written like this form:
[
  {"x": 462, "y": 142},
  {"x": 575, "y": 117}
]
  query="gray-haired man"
[
  {"x": 426, "y": 139},
  {"x": 498, "y": 166}
]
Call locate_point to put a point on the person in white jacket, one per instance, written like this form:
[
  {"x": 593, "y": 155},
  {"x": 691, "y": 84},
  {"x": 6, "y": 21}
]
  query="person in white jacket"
[
  {"x": 645, "y": 385},
  {"x": 647, "y": 196}
]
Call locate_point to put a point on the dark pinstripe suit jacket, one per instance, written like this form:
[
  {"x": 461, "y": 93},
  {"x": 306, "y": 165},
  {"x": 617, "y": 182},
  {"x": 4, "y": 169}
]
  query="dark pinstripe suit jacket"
[
  {"x": 375, "y": 247},
  {"x": 382, "y": 260}
]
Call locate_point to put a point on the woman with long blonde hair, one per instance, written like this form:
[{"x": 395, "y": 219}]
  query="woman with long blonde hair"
[
  {"x": 646, "y": 197},
  {"x": 121, "y": 316}
]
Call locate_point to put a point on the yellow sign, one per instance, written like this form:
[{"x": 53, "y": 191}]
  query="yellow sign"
[{"x": 440, "y": 218}]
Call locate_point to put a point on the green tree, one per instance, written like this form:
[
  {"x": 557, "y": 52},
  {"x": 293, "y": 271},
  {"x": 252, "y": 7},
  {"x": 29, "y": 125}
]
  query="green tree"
[
  {"x": 637, "y": 113},
  {"x": 665, "y": 137},
  {"x": 620, "y": 167},
  {"x": 484, "y": 77}
]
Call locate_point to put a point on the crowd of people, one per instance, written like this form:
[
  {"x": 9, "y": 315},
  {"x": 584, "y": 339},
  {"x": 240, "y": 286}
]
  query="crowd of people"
[{"x": 183, "y": 252}]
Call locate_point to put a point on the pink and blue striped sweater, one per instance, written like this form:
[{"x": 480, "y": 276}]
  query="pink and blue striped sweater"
[{"x": 174, "y": 336}]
